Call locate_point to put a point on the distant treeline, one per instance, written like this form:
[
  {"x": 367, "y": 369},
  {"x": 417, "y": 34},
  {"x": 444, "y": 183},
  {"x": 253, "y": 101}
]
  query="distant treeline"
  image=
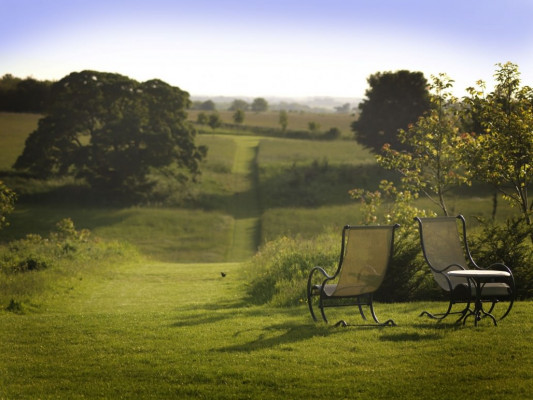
[{"x": 23, "y": 95}]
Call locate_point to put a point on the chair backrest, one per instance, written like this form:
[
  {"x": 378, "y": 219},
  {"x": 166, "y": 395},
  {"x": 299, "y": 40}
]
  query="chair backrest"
[
  {"x": 366, "y": 256},
  {"x": 442, "y": 247}
]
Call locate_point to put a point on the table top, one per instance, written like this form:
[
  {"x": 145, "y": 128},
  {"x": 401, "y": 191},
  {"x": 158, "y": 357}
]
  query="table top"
[{"x": 479, "y": 273}]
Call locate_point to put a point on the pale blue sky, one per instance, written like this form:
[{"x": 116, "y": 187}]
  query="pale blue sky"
[{"x": 266, "y": 48}]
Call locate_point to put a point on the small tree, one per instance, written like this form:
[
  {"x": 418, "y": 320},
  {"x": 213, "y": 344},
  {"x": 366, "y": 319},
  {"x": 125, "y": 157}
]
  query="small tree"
[
  {"x": 259, "y": 104},
  {"x": 313, "y": 126},
  {"x": 208, "y": 105},
  {"x": 283, "y": 119},
  {"x": 238, "y": 116},
  {"x": 501, "y": 152},
  {"x": 434, "y": 165},
  {"x": 202, "y": 118},
  {"x": 238, "y": 104},
  {"x": 333, "y": 133},
  {"x": 214, "y": 121}
]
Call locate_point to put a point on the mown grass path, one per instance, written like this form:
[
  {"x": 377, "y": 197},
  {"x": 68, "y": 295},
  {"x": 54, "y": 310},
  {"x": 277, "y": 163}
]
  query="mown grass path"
[{"x": 245, "y": 207}]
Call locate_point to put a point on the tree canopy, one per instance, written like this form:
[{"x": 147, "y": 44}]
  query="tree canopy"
[
  {"x": 239, "y": 104},
  {"x": 23, "y": 95},
  {"x": 499, "y": 149},
  {"x": 113, "y": 131},
  {"x": 393, "y": 101},
  {"x": 259, "y": 104},
  {"x": 433, "y": 165}
]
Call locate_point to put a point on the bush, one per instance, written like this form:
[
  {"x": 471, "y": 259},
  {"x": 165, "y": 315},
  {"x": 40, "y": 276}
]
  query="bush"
[
  {"x": 35, "y": 264},
  {"x": 509, "y": 244},
  {"x": 279, "y": 271}
]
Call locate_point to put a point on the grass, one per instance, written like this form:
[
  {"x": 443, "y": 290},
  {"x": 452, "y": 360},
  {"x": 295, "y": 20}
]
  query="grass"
[
  {"x": 164, "y": 330},
  {"x": 159, "y": 233}
]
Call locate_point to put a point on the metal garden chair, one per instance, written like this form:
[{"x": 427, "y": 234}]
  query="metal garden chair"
[
  {"x": 365, "y": 256},
  {"x": 457, "y": 274}
]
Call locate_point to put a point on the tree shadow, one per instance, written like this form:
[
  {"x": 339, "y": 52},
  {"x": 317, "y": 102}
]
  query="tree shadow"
[
  {"x": 409, "y": 337},
  {"x": 280, "y": 334}
]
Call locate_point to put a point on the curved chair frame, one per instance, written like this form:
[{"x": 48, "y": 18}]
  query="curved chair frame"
[
  {"x": 332, "y": 298},
  {"x": 462, "y": 290}
]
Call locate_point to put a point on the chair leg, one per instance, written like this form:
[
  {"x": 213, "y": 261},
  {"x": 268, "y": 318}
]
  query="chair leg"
[
  {"x": 441, "y": 316},
  {"x": 389, "y": 322},
  {"x": 360, "y": 308},
  {"x": 321, "y": 306},
  {"x": 310, "y": 304},
  {"x": 511, "y": 302}
]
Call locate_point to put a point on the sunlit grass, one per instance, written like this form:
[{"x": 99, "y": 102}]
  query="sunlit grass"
[{"x": 155, "y": 330}]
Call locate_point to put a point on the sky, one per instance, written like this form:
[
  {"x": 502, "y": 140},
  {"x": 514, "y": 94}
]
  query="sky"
[{"x": 267, "y": 48}]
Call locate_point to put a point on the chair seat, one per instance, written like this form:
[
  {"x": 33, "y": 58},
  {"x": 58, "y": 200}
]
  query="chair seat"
[
  {"x": 331, "y": 290},
  {"x": 497, "y": 289}
]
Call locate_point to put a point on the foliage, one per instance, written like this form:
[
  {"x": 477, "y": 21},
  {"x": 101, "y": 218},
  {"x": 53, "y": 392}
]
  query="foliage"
[
  {"x": 208, "y": 105},
  {"x": 112, "y": 131},
  {"x": 202, "y": 118},
  {"x": 239, "y": 104},
  {"x": 23, "y": 95},
  {"x": 393, "y": 101},
  {"x": 433, "y": 164},
  {"x": 35, "y": 264},
  {"x": 7, "y": 203},
  {"x": 508, "y": 244},
  {"x": 313, "y": 126},
  {"x": 214, "y": 120},
  {"x": 36, "y": 253},
  {"x": 259, "y": 104},
  {"x": 238, "y": 116},
  {"x": 333, "y": 133},
  {"x": 278, "y": 272},
  {"x": 500, "y": 152},
  {"x": 283, "y": 120}
]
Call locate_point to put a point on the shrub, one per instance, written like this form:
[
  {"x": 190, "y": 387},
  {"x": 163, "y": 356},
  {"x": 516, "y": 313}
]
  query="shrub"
[
  {"x": 35, "y": 264},
  {"x": 279, "y": 271},
  {"x": 509, "y": 244}
]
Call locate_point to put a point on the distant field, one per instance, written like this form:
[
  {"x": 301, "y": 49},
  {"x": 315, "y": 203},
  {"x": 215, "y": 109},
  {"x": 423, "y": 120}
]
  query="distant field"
[
  {"x": 14, "y": 128},
  {"x": 297, "y": 120}
]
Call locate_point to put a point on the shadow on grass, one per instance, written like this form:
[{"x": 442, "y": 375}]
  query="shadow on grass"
[
  {"x": 409, "y": 337},
  {"x": 280, "y": 334}
]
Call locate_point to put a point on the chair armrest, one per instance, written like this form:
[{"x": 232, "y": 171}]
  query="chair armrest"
[
  {"x": 323, "y": 272},
  {"x": 500, "y": 267},
  {"x": 452, "y": 265}
]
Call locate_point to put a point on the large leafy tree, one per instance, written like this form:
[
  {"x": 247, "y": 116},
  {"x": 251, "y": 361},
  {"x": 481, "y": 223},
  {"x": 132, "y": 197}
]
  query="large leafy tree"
[
  {"x": 113, "y": 131},
  {"x": 393, "y": 101},
  {"x": 500, "y": 148}
]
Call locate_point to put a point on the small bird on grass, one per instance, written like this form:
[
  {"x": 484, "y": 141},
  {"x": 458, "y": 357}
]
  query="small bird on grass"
[{"x": 223, "y": 274}]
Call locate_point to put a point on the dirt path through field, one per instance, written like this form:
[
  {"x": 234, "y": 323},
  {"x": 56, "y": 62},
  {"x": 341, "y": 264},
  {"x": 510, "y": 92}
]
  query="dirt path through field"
[{"x": 245, "y": 207}]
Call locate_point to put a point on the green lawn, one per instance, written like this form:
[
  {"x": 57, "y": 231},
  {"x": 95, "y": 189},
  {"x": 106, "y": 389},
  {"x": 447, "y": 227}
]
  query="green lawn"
[{"x": 164, "y": 330}]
